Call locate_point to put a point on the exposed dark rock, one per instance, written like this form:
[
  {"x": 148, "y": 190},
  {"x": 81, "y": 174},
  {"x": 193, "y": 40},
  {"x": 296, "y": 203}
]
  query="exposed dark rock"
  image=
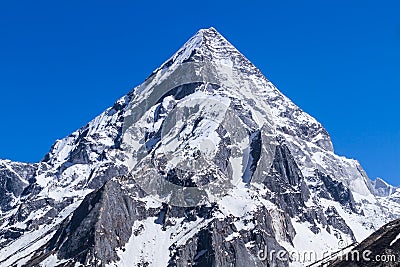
[
  {"x": 337, "y": 222},
  {"x": 338, "y": 191},
  {"x": 104, "y": 173},
  {"x": 13, "y": 180},
  {"x": 96, "y": 228},
  {"x": 381, "y": 249},
  {"x": 215, "y": 245},
  {"x": 286, "y": 180}
]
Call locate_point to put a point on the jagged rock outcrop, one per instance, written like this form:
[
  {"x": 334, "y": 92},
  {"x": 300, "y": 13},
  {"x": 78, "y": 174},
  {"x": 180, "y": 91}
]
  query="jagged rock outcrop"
[
  {"x": 101, "y": 223},
  {"x": 14, "y": 177}
]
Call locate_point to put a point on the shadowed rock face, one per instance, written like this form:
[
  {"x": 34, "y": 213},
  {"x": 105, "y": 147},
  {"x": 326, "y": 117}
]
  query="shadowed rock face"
[
  {"x": 14, "y": 177},
  {"x": 102, "y": 223},
  {"x": 210, "y": 246},
  {"x": 287, "y": 182},
  {"x": 338, "y": 191},
  {"x": 104, "y": 220},
  {"x": 381, "y": 249},
  {"x": 382, "y": 188}
]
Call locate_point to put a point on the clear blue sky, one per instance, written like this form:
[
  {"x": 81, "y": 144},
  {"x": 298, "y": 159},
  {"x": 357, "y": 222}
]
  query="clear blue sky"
[{"x": 63, "y": 62}]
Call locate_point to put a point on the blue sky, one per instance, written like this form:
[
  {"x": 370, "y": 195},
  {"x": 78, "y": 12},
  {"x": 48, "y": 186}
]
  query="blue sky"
[{"x": 63, "y": 62}]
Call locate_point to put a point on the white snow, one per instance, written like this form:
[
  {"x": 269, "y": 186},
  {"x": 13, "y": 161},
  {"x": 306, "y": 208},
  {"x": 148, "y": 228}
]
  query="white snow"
[{"x": 395, "y": 240}]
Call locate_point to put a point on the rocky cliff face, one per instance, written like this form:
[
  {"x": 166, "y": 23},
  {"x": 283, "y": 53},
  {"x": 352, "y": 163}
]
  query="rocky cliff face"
[
  {"x": 204, "y": 164},
  {"x": 14, "y": 178}
]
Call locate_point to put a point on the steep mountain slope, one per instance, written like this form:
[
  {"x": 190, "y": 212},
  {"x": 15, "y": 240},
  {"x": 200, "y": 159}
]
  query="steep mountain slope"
[
  {"x": 14, "y": 177},
  {"x": 382, "y": 248},
  {"x": 206, "y": 163}
]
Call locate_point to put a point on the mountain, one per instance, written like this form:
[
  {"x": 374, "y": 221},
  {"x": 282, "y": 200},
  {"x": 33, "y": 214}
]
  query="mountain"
[
  {"x": 206, "y": 163},
  {"x": 382, "y": 188},
  {"x": 381, "y": 249}
]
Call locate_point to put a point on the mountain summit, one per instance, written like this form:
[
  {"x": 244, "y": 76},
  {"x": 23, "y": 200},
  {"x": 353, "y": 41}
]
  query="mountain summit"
[{"x": 206, "y": 163}]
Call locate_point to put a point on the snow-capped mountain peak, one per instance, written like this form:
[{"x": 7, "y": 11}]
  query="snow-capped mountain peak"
[{"x": 205, "y": 163}]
